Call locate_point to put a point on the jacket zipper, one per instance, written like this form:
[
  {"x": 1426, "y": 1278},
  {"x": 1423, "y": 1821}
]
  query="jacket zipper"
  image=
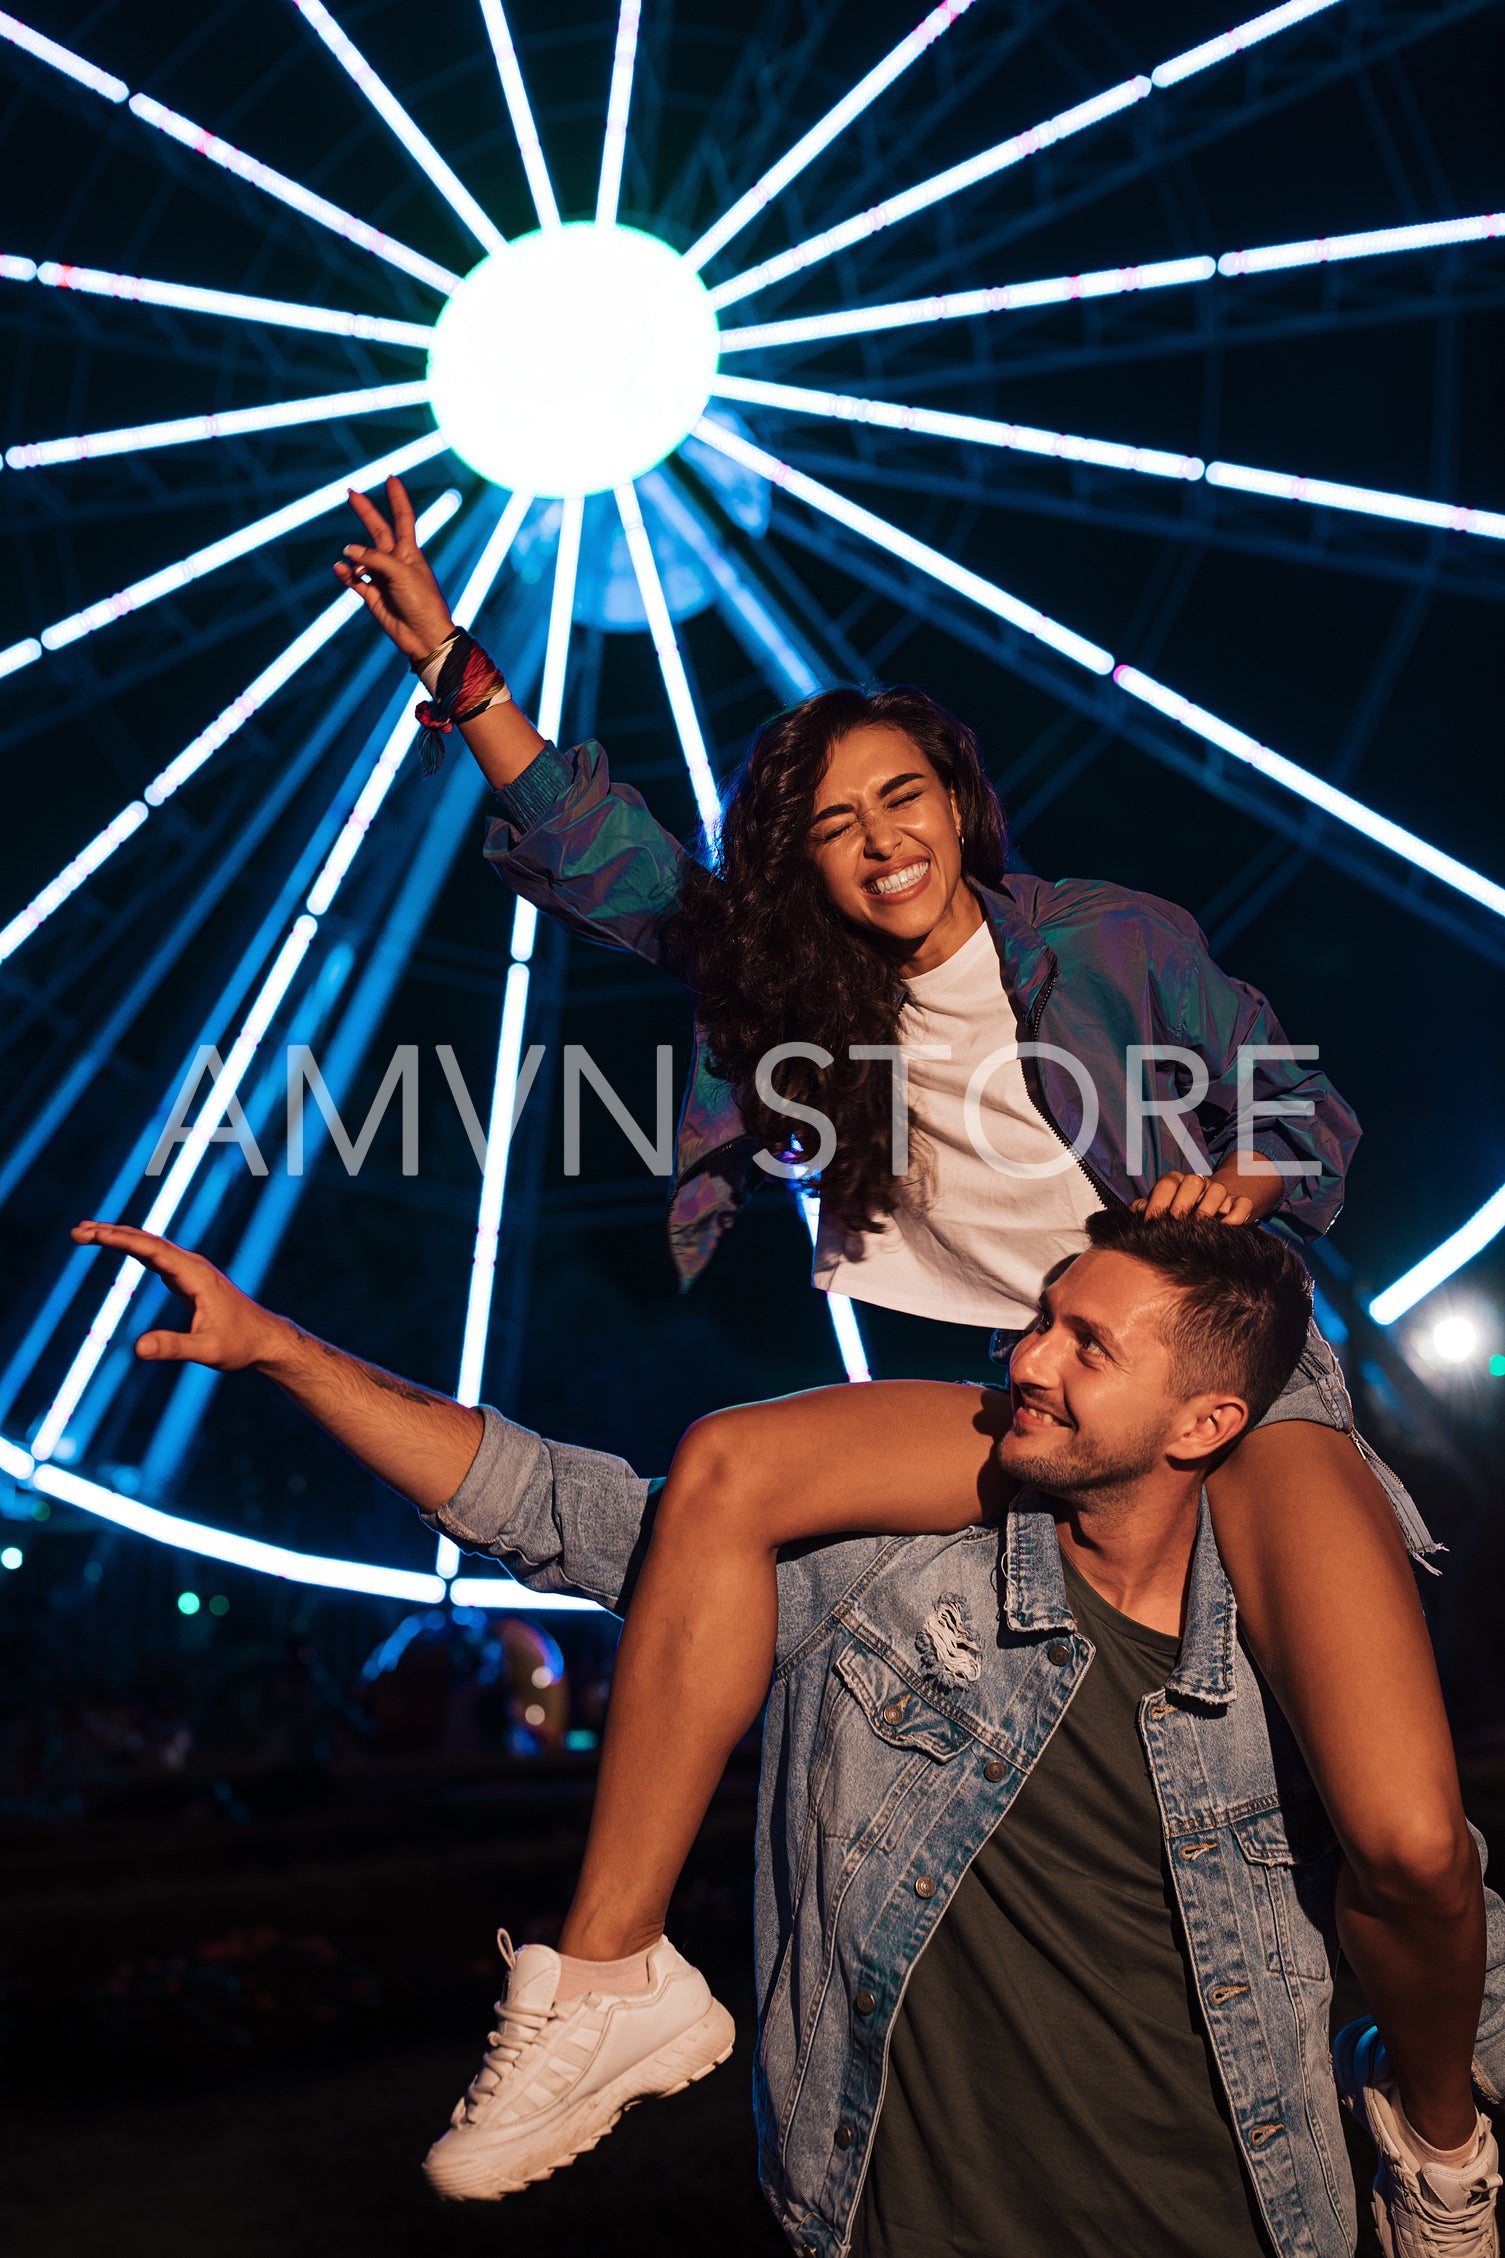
[{"x": 1036, "y": 1088}]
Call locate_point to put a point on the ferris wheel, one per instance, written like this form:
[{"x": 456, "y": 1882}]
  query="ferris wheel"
[{"x": 600, "y": 419}]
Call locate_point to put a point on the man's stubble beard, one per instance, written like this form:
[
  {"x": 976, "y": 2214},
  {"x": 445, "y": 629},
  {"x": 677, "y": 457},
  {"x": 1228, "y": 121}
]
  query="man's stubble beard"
[{"x": 1083, "y": 1473}]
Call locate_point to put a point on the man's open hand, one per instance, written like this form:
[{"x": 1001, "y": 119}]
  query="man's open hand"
[
  {"x": 391, "y": 575},
  {"x": 229, "y": 1332}
]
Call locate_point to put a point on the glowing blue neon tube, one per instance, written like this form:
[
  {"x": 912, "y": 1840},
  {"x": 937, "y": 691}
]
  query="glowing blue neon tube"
[
  {"x": 1469, "y": 1239},
  {"x": 202, "y": 748},
  {"x": 230, "y": 423},
  {"x": 985, "y": 593},
  {"x": 240, "y": 1552},
  {"x": 951, "y": 182},
  {"x": 751, "y": 621},
  {"x": 825, "y": 130},
  {"x": 241, "y": 543},
  {"x": 520, "y": 111},
  {"x": 838, "y": 1306},
  {"x": 62, "y": 59},
  {"x": 1486, "y": 891},
  {"x": 671, "y": 663},
  {"x": 291, "y": 192},
  {"x": 619, "y": 102},
  {"x": 224, "y": 305},
  {"x": 408, "y": 132}
]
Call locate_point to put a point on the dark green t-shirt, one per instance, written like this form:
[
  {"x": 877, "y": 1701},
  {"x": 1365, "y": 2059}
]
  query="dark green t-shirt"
[{"x": 1050, "y": 2091}]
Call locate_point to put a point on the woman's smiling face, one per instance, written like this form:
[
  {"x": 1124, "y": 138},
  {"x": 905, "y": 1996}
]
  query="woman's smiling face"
[{"x": 884, "y": 838}]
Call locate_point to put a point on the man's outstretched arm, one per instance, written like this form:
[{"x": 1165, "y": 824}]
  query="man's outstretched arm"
[{"x": 420, "y": 1444}]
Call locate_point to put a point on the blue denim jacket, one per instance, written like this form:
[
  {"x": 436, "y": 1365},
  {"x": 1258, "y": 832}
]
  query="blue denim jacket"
[{"x": 884, "y": 1773}]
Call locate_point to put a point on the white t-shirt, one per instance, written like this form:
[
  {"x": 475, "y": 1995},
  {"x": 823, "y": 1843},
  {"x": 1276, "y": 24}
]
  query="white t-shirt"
[{"x": 976, "y": 1245}]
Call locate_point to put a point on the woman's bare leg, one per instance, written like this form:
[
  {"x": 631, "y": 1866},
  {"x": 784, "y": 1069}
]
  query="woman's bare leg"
[
  {"x": 1327, "y": 1597},
  {"x": 697, "y": 1649}
]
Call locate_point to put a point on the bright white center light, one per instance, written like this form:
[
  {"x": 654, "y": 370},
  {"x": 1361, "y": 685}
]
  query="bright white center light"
[
  {"x": 1454, "y": 1339},
  {"x": 574, "y": 360}
]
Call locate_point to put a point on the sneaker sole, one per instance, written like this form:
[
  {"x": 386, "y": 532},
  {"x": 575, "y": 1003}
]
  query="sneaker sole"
[{"x": 684, "y": 2061}]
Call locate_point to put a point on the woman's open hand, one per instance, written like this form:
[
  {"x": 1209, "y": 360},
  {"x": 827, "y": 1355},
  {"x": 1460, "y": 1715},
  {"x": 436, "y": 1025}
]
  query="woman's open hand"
[
  {"x": 391, "y": 576},
  {"x": 1179, "y": 1192}
]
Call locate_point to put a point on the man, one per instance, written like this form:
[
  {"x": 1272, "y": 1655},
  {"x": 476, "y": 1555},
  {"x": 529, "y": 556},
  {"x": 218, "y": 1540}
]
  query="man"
[{"x": 1045, "y": 1897}]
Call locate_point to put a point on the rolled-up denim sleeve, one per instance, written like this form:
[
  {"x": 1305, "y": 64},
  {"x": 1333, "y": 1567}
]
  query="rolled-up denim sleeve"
[{"x": 561, "y": 1519}]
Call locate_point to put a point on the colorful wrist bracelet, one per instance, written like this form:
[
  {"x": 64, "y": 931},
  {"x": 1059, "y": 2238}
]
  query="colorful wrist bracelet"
[{"x": 468, "y": 683}]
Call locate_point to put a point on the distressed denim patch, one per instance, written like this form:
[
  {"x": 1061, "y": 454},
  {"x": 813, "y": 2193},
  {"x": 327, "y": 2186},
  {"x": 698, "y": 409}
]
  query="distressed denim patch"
[{"x": 948, "y": 1646}]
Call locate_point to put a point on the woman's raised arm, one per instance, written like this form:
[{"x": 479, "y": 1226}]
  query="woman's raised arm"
[{"x": 395, "y": 582}]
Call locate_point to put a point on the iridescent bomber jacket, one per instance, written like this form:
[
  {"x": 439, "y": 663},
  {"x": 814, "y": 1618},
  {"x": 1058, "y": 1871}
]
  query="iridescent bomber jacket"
[{"x": 1093, "y": 973}]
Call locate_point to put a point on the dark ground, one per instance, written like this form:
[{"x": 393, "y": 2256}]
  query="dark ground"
[{"x": 240, "y": 2034}]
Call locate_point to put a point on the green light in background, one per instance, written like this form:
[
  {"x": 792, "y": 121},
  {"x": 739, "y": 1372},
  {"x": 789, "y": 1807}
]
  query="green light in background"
[
  {"x": 219, "y": 1605},
  {"x": 188, "y": 1603},
  {"x": 1497, "y": 1367}
]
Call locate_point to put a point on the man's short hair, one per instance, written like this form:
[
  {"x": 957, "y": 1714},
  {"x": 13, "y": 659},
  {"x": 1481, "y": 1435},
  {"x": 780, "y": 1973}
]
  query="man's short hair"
[{"x": 1245, "y": 1300}]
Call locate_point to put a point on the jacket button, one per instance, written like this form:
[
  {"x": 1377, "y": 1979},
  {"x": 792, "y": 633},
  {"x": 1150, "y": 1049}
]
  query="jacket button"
[
  {"x": 864, "y": 2003},
  {"x": 924, "y": 1885},
  {"x": 893, "y": 1713},
  {"x": 1059, "y": 1653},
  {"x": 844, "y": 2136},
  {"x": 994, "y": 1771}
]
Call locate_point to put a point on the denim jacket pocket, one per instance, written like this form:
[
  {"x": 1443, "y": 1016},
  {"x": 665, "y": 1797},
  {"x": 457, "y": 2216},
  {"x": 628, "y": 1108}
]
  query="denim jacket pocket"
[
  {"x": 878, "y": 1738},
  {"x": 1291, "y": 1855}
]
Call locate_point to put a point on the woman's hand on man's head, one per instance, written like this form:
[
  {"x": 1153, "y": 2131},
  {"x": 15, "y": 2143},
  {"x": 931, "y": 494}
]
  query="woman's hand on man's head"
[{"x": 1181, "y": 1192}]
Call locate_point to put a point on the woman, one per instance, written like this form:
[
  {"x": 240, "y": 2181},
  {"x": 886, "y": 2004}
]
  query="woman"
[{"x": 861, "y": 900}]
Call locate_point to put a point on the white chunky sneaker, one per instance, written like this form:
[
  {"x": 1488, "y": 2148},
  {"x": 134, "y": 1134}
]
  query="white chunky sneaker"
[
  {"x": 557, "y": 2076},
  {"x": 1421, "y": 2209}
]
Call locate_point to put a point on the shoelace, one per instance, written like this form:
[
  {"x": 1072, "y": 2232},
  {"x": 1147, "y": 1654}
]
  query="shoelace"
[{"x": 516, "y": 2028}]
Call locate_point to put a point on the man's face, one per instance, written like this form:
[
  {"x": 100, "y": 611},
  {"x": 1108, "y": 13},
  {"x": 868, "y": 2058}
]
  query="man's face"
[{"x": 1090, "y": 1382}]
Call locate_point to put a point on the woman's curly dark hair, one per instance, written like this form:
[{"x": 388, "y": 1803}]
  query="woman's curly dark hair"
[{"x": 770, "y": 959}]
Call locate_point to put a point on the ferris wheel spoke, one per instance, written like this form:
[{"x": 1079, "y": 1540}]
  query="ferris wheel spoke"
[
  {"x": 201, "y": 748},
  {"x": 936, "y": 423},
  {"x": 230, "y": 423},
  {"x": 520, "y": 111},
  {"x": 824, "y": 132},
  {"x": 508, "y": 1086},
  {"x": 1302, "y": 782},
  {"x": 1229, "y": 43},
  {"x": 225, "y": 154},
  {"x": 406, "y": 129},
  {"x": 1111, "y": 454},
  {"x": 1328, "y": 494},
  {"x": 936, "y": 190},
  {"x": 233, "y": 545},
  {"x": 671, "y": 661},
  {"x": 1315, "y": 790},
  {"x": 1004, "y": 154},
  {"x": 59, "y": 58},
  {"x": 224, "y": 305},
  {"x": 898, "y": 543},
  {"x": 292, "y": 193},
  {"x": 223, "y": 1096},
  {"x": 618, "y": 104},
  {"x": 1110, "y": 282}
]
